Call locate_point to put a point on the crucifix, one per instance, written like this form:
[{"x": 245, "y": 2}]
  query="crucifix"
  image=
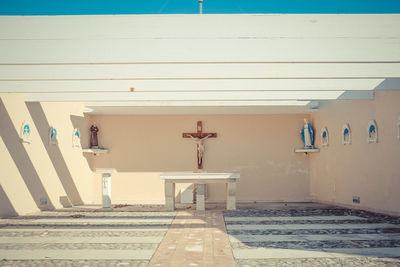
[{"x": 199, "y": 138}]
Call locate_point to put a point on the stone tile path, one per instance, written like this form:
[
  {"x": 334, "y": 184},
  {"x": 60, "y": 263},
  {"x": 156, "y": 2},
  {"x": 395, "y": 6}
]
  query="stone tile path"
[
  {"x": 196, "y": 238},
  {"x": 313, "y": 237}
]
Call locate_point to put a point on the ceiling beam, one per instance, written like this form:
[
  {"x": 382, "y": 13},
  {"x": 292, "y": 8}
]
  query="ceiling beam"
[
  {"x": 187, "y": 71},
  {"x": 198, "y": 96},
  {"x": 196, "y": 85}
]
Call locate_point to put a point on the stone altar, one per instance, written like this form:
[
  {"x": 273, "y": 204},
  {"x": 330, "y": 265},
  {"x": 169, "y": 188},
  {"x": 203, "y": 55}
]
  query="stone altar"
[{"x": 200, "y": 179}]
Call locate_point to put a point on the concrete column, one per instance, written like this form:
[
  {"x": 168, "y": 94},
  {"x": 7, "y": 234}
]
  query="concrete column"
[
  {"x": 106, "y": 190},
  {"x": 200, "y": 196},
  {"x": 169, "y": 188},
  {"x": 231, "y": 195}
]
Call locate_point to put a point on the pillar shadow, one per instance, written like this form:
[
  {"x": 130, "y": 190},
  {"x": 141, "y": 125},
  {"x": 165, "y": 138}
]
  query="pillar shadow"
[
  {"x": 22, "y": 161},
  {"x": 60, "y": 166},
  {"x": 6, "y": 208},
  {"x": 80, "y": 123}
]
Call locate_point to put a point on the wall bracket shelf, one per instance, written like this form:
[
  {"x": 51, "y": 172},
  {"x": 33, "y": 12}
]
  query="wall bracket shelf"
[
  {"x": 306, "y": 150},
  {"x": 95, "y": 151}
]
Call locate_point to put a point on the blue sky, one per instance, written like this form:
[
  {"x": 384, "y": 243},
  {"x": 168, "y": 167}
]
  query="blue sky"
[{"x": 79, "y": 7}]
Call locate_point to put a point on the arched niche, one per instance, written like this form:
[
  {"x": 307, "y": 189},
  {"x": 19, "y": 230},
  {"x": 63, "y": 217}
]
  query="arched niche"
[
  {"x": 398, "y": 128},
  {"x": 76, "y": 138},
  {"x": 53, "y": 135},
  {"x": 372, "y": 132},
  {"x": 346, "y": 134},
  {"x": 324, "y": 137},
  {"x": 26, "y": 132}
]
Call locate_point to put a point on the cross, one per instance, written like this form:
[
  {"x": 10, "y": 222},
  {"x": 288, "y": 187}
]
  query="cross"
[{"x": 199, "y": 138}]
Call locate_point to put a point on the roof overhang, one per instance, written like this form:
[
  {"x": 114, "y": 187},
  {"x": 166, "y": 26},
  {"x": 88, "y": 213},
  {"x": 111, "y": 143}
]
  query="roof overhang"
[{"x": 191, "y": 64}]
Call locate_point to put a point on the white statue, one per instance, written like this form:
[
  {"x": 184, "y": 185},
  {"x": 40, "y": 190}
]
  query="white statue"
[
  {"x": 307, "y": 135},
  {"x": 26, "y": 132},
  {"x": 76, "y": 138},
  {"x": 53, "y": 136}
]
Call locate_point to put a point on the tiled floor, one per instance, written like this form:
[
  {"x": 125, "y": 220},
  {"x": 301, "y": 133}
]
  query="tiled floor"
[
  {"x": 254, "y": 235},
  {"x": 82, "y": 237},
  {"x": 313, "y": 236}
]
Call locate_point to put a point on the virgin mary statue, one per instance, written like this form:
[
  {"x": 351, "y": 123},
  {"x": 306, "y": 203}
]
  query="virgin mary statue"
[{"x": 307, "y": 135}]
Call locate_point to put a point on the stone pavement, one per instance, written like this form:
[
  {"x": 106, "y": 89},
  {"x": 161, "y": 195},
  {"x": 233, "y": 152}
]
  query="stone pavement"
[
  {"x": 83, "y": 237},
  {"x": 254, "y": 235},
  {"x": 313, "y": 235}
]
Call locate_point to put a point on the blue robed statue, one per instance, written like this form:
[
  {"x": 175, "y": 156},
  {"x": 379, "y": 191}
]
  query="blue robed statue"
[{"x": 307, "y": 135}]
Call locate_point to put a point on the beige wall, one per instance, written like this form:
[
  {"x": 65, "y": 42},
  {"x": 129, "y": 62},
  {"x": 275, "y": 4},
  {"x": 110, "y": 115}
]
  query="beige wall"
[
  {"x": 260, "y": 147},
  {"x": 30, "y": 172},
  {"x": 371, "y": 171}
]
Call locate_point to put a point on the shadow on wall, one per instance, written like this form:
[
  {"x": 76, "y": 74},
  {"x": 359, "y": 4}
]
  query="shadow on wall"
[
  {"x": 6, "y": 208},
  {"x": 386, "y": 84},
  {"x": 389, "y": 84},
  {"x": 60, "y": 166},
  {"x": 83, "y": 124},
  {"x": 22, "y": 161}
]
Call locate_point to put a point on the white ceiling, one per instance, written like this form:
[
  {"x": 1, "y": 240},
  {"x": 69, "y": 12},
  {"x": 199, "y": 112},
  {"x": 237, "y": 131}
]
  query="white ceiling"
[{"x": 192, "y": 64}]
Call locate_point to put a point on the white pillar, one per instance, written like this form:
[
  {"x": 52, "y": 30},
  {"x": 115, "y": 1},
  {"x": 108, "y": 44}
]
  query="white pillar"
[
  {"x": 106, "y": 190},
  {"x": 169, "y": 188},
  {"x": 106, "y": 185},
  {"x": 231, "y": 195},
  {"x": 200, "y": 196}
]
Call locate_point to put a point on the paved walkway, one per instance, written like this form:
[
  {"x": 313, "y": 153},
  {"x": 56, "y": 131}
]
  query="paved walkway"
[
  {"x": 196, "y": 238},
  {"x": 269, "y": 235}
]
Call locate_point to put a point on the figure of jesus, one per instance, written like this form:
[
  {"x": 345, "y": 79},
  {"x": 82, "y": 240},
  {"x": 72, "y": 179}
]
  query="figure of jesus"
[
  {"x": 200, "y": 149},
  {"x": 199, "y": 138}
]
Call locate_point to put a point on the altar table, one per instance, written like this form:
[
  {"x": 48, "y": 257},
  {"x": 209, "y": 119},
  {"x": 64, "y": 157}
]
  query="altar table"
[{"x": 200, "y": 179}]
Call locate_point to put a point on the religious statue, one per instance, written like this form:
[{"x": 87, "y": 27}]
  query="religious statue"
[
  {"x": 200, "y": 149},
  {"x": 372, "y": 132},
  {"x": 307, "y": 135},
  {"x": 93, "y": 137},
  {"x": 199, "y": 138},
  {"x": 53, "y": 136},
  {"x": 346, "y": 135},
  {"x": 26, "y": 132},
  {"x": 76, "y": 138}
]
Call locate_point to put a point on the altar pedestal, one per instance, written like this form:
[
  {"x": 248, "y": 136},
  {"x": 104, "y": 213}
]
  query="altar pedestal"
[
  {"x": 200, "y": 180},
  {"x": 106, "y": 185}
]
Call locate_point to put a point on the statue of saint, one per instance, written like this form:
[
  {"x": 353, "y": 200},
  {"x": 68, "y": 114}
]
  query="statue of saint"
[
  {"x": 307, "y": 135},
  {"x": 93, "y": 137},
  {"x": 53, "y": 136},
  {"x": 26, "y": 132},
  {"x": 200, "y": 149}
]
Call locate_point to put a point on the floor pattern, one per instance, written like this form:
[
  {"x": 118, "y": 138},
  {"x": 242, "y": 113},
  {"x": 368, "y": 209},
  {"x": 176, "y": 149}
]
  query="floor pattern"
[
  {"x": 300, "y": 235},
  {"x": 313, "y": 237},
  {"x": 82, "y": 238}
]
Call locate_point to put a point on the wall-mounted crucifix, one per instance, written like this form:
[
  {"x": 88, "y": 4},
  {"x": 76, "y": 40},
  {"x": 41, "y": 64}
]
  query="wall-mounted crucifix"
[{"x": 199, "y": 138}]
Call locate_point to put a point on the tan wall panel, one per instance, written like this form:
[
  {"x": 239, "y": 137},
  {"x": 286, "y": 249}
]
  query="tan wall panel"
[
  {"x": 260, "y": 147},
  {"x": 39, "y": 170},
  {"x": 370, "y": 171},
  {"x": 14, "y": 196}
]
